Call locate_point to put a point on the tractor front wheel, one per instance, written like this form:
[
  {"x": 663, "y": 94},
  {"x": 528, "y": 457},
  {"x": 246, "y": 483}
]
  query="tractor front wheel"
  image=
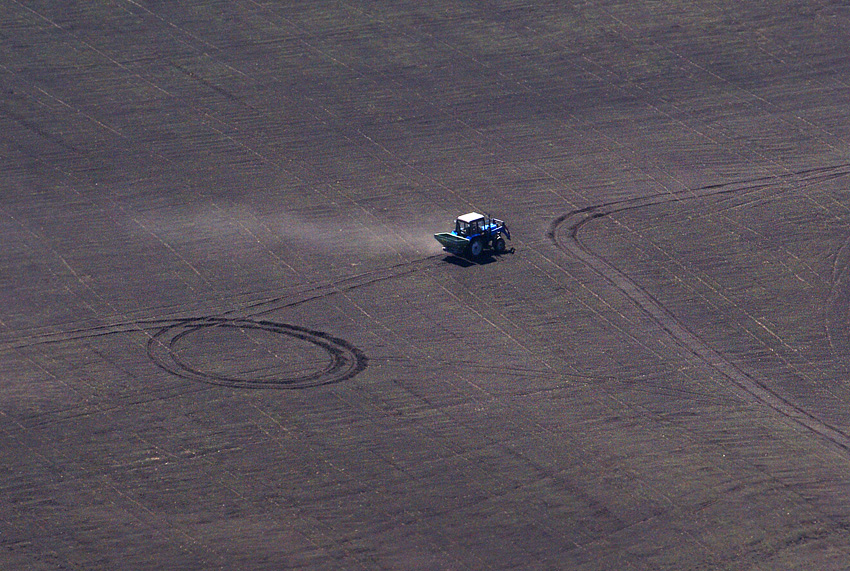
[
  {"x": 475, "y": 248},
  {"x": 499, "y": 245}
]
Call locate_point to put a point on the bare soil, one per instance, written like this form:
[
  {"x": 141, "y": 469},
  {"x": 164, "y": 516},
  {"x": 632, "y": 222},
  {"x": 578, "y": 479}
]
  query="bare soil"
[{"x": 228, "y": 339}]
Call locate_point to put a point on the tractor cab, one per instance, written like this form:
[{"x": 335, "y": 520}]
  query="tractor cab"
[{"x": 471, "y": 224}]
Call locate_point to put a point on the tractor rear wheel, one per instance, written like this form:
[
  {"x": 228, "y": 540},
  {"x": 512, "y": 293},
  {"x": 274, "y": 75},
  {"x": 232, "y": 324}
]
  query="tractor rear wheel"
[
  {"x": 475, "y": 248},
  {"x": 499, "y": 245}
]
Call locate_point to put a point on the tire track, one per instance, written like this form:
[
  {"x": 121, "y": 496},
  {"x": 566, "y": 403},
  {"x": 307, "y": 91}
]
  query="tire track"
[
  {"x": 836, "y": 327},
  {"x": 564, "y": 232},
  {"x": 346, "y": 360}
]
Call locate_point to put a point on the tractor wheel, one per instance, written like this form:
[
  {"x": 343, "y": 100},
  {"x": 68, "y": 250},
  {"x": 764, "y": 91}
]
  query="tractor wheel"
[
  {"x": 475, "y": 248},
  {"x": 499, "y": 245}
]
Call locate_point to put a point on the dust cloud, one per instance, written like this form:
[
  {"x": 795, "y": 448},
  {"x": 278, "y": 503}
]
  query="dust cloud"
[{"x": 324, "y": 230}]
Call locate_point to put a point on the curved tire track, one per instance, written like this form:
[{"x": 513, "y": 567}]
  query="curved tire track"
[
  {"x": 345, "y": 360},
  {"x": 564, "y": 233}
]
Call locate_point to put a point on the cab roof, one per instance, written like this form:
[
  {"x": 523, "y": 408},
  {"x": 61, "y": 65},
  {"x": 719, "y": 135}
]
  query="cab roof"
[{"x": 471, "y": 217}]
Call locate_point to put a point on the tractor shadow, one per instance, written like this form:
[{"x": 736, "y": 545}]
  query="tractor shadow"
[{"x": 482, "y": 260}]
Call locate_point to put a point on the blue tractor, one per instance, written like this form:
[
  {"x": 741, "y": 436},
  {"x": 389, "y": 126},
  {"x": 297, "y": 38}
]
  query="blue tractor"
[{"x": 473, "y": 233}]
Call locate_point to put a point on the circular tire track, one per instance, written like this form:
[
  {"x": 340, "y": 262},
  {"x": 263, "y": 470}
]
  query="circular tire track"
[
  {"x": 564, "y": 234},
  {"x": 345, "y": 361}
]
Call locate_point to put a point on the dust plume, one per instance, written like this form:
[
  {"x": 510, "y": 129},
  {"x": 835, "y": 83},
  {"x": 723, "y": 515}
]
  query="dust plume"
[{"x": 321, "y": 230}]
